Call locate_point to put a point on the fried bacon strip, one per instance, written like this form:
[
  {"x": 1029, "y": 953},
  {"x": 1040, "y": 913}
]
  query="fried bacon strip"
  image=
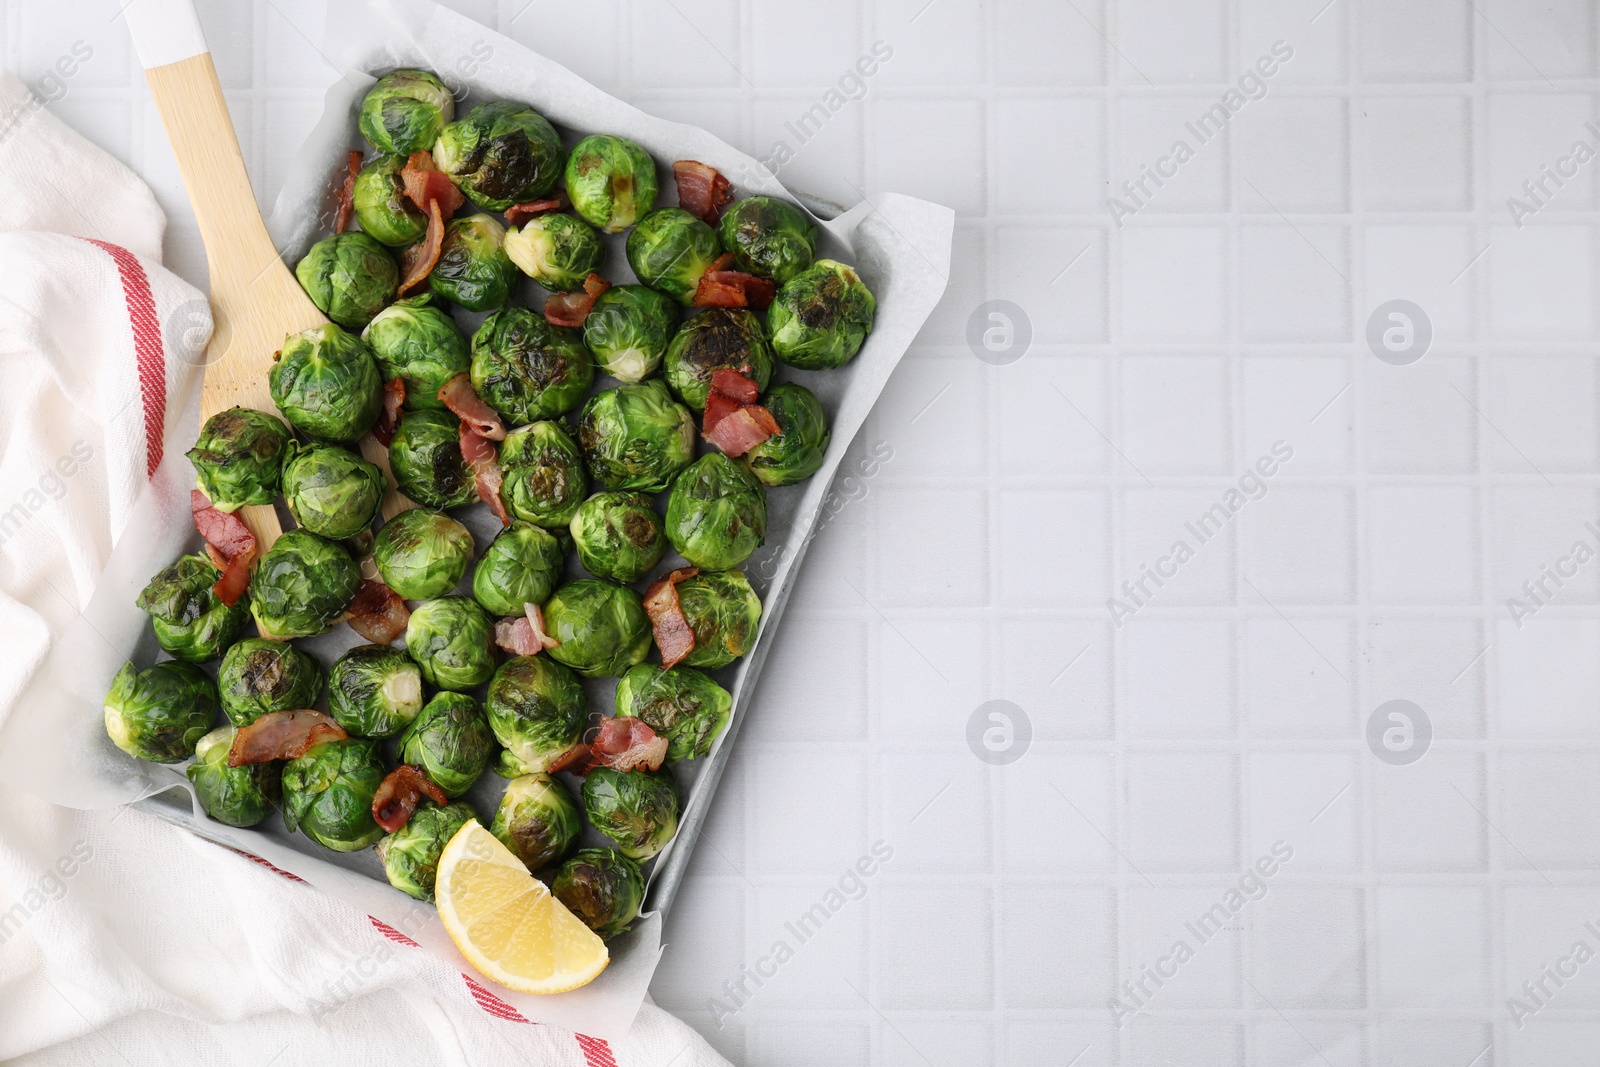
[
  {"x": 702, "y": 191},
  {"x": 721, "y": 287},
  {"x": 394, "y": 398},
  {"x": 733, "y": 421},
  {"x": 229, "y": 543},
  {"x": 347, "y": 192},
  {"x": 674, "y": 636},
  {"x": 282, "y": 735},
  {"x": 424, "y": 183},
  {"x": 575, "y": 758},
  {"x": 736, "y": 385},
  {"x": 458, "y": 395},
  {"x": 485, "y": 463},
  {"x": 398, "y": 795},
  {"x": 524, "y": 635},
  {"x": 417, "y": 261},
  {"x": 377, "y": 613},
  {"x": 570, "y": 309},
  {"x": 517, "y": 214},
  {"x": 627, "y": 744}
]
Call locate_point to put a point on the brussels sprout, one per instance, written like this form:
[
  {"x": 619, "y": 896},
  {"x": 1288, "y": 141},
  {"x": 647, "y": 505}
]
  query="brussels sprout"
[
  {"x": 500, "y": 154},
  {"x": 636, "y": 809},
  {"x": 160, "y": 713},
  {"x": 425, "y": 456},
  {"x": 717, "y": 513},
  {"x": 543, "y": 477},
  {"x": 521, "y": 566},
  {"x": 332, "y": 491},
  {"x": 636, "y": 437},
  {"x": 772, "y": 238},
  {"x": 527, "y": 369},
  {"x": 679, "y": 703},
  {"x": 628, "y": 329},
  {"x": 420, "y": 344},
  {"x": 602, "y": 887},
  {"x": 796, "y": 452},
  {"x": 327, "y": 794},
  {"x": 405, "y": 111},
  {"x": 237, "y": 796},
  {"x": 327, "y": 385},
  {"x": 191, "y": 621},
  {"x": 602, "y": 627},
  {"x": 238, "y": 459},
  {"x": 374, "y": 691},
  {"x": 452, "y": 640},
  {"x": 350, "y": 277},
  {"x": 537, "y": 710},
  {"x": 473, "y": 268},
  {"x": 411, "y": 854},
  {"x": 537, "y": 820},
  {"x": 557, "y": 251},
  {"x": 670, "y": 249},
  {"x": 821, "y": 317},
  {"x": 258, "y": 676},
  {"x": 450, "y": 740},
  {"x": 723, "y": 612},
  {"x": 302, "y": 585},
  {"x": 382, "y": 206},
  {"x": 422, "y": 554},
  {"x": 611, "y": 181},
  {"x": 618, "y": 536},
  {"x": 721, "y": 338}
]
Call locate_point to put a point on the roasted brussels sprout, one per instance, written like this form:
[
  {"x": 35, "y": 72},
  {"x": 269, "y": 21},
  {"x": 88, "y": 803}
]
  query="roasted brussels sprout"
[
  {"x": 302, "y": 585},
  {"x": 425, "y": 456},
  {"x": 238, "y": 459},
  {"x": 628, "y": 330},
  {"x": 717, "y": 339},
  {"x": 636, "y": 809},
  {"x": 795, "y": 453},
  {"x": 422, "y": 554},
  {"x": 537, "y": 710},
  {"x": 679, "y": 703},
  {"x": 602, "y": 627},
  {"x": 382, "y": 206},
  {"x": 326, "y": 383},
  {"x": 411, "y": 854},
  {"x": 670, "y": 249},
  {"x": 350, "y": 277},
  {"x": 557, "y": 251},
  {"x": 618, "y": 536},
  {"x": 450, "y": 740},
  {"x": 327, "y": 794},
  {"x": 374, "y": 691},
  {"x": 521, "y": 566},
  {"x": 452, "y": 640},
  {"x": 769, "y": 237},
  {"x": 160, "y": 713},
  {"x": 332, "y": 491},
  {"x": 258, "y": 676},
  {"x": 191, "y": 621},
  {"x": 500, "y": 154},
  {"x": 602, "y": 887},
  {"x": 723, "y": 611},
  {"x": 473, "y": 268},
  {"x": 405, "y": 111},
  {"x": 611, "y": 181},
  {"x": 420, "y": 344},
  {"x": 636, "y": 437},
  {"x": 527, "y": 369},
  {"x": 717, "y": 513},
  {"x": 537, "y": 820},
  {"x": 821, "y": 317},
  {"x": 543, "y": 477},
  {"x": 237, "y": 796}
]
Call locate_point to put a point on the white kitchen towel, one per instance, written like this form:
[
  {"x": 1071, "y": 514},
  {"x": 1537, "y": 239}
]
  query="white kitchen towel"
[{"x": 121, "y": 936}]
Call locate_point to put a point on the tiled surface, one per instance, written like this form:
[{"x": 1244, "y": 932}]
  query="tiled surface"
[{"x": 1169, "y": 352}]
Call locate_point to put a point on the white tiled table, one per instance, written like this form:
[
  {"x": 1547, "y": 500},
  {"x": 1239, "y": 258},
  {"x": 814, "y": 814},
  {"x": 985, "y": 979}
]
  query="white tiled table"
[{"x": 1168, "y": 354}]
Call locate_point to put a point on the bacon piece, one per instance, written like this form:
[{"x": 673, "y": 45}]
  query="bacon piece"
[
  {"x": 570, "y": 309},
  {"x": 377, "y": 613},
  {"x": 742, "y": 429},
  {"x": 481, "y": 457},
  {"x": 347, "y": 192},
  {"x": 398, "y": 795},
  {"x": 702, "y": 191},
  {"x": 394, "y": 398},
  {"x": 517, "y": 214},
  {"x": 458, "y": 395},
  {"x": 524, "y": 635},
  {"x": 423, "y": 182},
  {"x": 721, "y": 286},
  {"x": 674, "y": 636},
  {"x": 627, "y": 744},
  {"x": 736, "y": 385},
  {"x": 229, "y": 544},
  {"x": 282, "y": 735},
  {"x": 575, "y": 759},
  {"x": 417, "y": 261}
]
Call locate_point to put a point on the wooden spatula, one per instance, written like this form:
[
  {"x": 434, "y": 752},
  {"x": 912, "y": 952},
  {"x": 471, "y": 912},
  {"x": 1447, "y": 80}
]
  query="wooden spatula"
[{"x": 255, "y": 301}]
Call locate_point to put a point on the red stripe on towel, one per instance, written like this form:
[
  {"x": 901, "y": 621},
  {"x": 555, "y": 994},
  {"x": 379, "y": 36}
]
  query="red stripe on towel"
[{"x": 147, "y": 346}]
